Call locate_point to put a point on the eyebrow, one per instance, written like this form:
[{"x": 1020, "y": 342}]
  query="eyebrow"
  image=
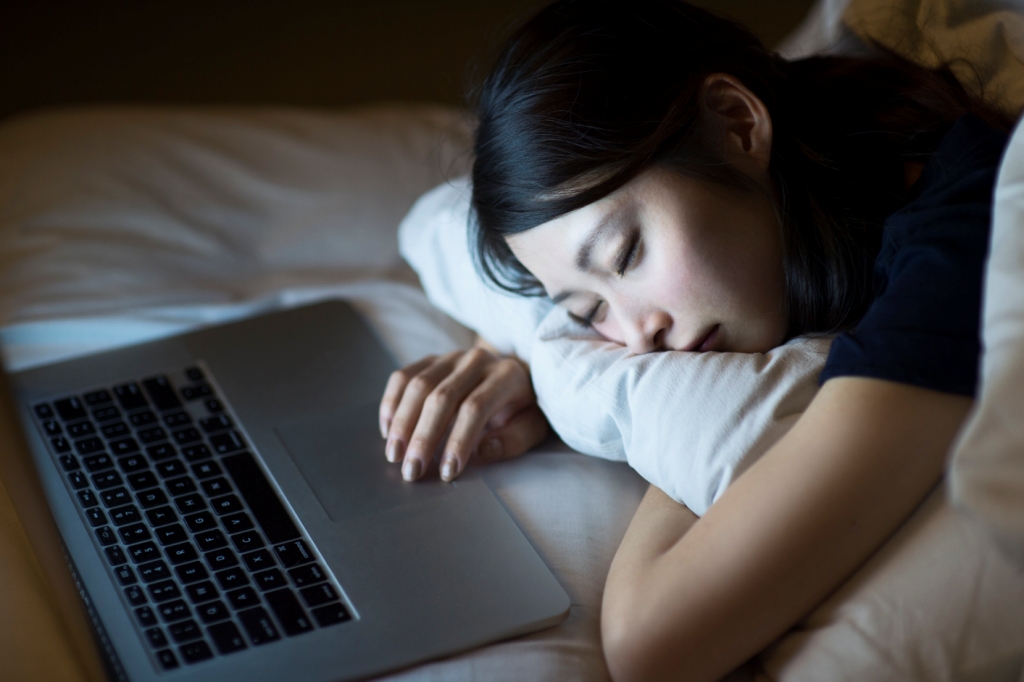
[{"x": 583, "y": 257}]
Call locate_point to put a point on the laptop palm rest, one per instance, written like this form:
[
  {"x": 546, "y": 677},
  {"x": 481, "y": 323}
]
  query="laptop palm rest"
[{"x": 341, "y": 456}]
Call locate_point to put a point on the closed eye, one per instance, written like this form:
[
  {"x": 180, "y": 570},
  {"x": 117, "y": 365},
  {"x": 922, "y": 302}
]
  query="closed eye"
[
  {"x": 588, "y": 319},
  {"x": 628, "y": 254}
]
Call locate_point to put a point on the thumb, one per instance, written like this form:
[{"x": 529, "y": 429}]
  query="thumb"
[{"x": 522, "y": 432}]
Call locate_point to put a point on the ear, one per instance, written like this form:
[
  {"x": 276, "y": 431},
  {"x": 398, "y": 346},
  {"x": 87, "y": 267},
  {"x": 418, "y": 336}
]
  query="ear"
[{"x": 744, "y": 120}]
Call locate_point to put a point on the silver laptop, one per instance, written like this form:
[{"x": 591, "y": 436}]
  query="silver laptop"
[{"x": 227, "y": 513}]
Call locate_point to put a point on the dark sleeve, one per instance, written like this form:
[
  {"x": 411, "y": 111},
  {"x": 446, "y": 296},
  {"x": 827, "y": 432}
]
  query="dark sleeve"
[{"x": 924, "y": 327}]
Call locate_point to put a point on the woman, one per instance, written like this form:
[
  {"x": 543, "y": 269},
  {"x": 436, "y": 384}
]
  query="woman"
[{"x": 678, "y": 188}]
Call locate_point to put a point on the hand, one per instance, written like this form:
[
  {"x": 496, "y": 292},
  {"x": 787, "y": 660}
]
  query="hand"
[{"x": 482, "y": 401}]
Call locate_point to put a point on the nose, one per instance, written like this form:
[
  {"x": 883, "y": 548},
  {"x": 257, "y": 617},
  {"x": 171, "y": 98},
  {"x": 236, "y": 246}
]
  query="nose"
[{"x": 646, "y": 332}]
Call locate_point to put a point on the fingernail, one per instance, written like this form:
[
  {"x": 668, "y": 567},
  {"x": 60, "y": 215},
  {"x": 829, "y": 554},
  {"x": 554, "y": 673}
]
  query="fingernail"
[
  {"x": 491, "y": 449},
  {"x": 411, "y": 469},
  {"x": 450, "y": 468},
  {"x": 394, "y": 451},
  {"x": 383, "y": 428}
]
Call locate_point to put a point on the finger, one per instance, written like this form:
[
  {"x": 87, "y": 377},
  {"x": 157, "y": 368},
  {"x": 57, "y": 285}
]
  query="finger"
[
  {"x": 397, "y": 382},
  {"x": 504, "y": 388},
  {"x": 410, "y": 403},
  {"x": 439, "y": 409},
  {"x": 526, "y": 430}
]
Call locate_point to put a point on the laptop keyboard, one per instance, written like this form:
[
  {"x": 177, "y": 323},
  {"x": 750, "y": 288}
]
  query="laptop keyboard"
[{"x": 209, "y": 560}]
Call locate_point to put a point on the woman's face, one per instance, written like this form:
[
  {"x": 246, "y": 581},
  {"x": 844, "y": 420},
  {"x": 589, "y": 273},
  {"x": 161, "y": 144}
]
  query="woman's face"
[{"x": 667, "y": 263}]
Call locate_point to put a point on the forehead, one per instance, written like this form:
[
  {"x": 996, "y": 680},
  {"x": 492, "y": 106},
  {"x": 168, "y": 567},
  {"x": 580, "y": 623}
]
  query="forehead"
[{"x": 565, "y": 236}]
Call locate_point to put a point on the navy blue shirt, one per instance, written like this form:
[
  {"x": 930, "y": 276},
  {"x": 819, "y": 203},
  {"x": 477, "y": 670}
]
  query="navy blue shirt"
[{"x": 924, "y": 326}]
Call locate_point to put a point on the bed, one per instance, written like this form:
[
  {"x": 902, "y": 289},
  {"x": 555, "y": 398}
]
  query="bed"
[{"x": 119, "y": 225}]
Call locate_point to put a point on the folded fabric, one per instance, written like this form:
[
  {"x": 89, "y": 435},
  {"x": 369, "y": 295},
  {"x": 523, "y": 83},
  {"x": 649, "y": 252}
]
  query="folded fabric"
[{"x": 725, "y": 409}]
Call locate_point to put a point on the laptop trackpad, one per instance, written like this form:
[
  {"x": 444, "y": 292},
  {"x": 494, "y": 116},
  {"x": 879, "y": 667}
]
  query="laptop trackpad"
[{"x": 341, "y": 455}]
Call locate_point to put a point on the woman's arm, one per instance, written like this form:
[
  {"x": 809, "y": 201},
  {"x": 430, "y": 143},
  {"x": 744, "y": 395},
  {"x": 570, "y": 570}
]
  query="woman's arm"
[{"x": 692, "y": 599}]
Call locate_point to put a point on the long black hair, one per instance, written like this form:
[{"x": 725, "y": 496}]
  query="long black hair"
[{"x": 588, "y": 94}]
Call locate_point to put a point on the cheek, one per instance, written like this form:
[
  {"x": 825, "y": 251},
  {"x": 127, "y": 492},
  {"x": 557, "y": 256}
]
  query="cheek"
[{"x": 611, "y": 330}]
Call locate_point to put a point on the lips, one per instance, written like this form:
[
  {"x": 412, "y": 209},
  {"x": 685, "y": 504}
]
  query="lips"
[{"x": 706, "y": 342}]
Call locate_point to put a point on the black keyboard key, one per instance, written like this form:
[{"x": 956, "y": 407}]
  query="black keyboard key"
[
  {"x": 43, "y": 411},
  {"x": 179, "y": 554},
  {"x": 154, "y": 497},
  {"x": 213, "y": 405},
  {"x": 201, "y": 592},
  {"x": 213, "y": 611},
  {"x": 156, "y": 638},
  {"x": 96, "y": 517},
  {"x": 153, "y": 571},
  {"x": 206, "y": 469},
  {"x": 227, "y": 504},
  {"x": 164, "y": 590},
  {"x": 144, "y": 552},
  {"x": 216, "y": 486},
  {"x": 106, "y": 536},
  {"x": 116, "y": 430},
  {"x": 106, "y": 480},
  {"x": 125, "y": 574},
  {"x": 221, "y": 558},
  {"x": 203, "y": 521},
  {"x": 174, "y": 611},
  {"x": 310, "y": 574},
  {"x": 52, "y": 427},
  {"x": 194, "y": 453},
  {"x": 161, "y": 516},
  {"x": 167, "y": 659},
  {"x": 247, "y": 541},
  {"x": 98, "y": 462},
  {"x": 145, "y": 616},
  {"x": 94, "y": 398},
  {"x": 195, "y": 652},
  {"x": 133, "y": 463},
  {"x": 115, "y": 555},
  {"x": 185, "y": 631},
  {"x": 232, "y": 578},
  {"x": 176, "y": 419},
  {"x": 170, "y": 467},
  {"x": 70, "y": 409},
  {"x": 315, "y": 595},
  {"x": 216, "y": 423},
  {"x": 171, "y": 535},
  {"x": 161, "y": 393},
  {"x": 243, "y": 598},
  {"x": 88, "y": 446},
  {"x": 269, "y": 580},
  {"x": 331, "y": 614},
  {"x": 140, "y": 419},
  {"x": 186, "y": 436},
  {"x": 259, "y": 560},
  {"x": 125, "y": 446},
  {"x": 115, "y": 497},
  {"x": 236, "y": 522},
  {"x": 135, "y": 595},
  {"x": 289, "y": 612},
  {"x": 191, "y": 572},
  {"x": 227, "y": 442},
  {"x": 180, "y": 485},
  {"x": 194, "y": 374},
  {"x": 142, "y": 480},
  {"x": 60, "y": 444},
  {"x": 226, "y": 637},
  {"x": 81, "y": 429},
  {"x": 69, "y": 462},
  {"x": 152, "y": 435},
  {"x": 87, "y": 498},
  {"x": 161, "y": 452},
  {"x": 78, "y": 480},
  {"x": 190, "y": 503},
  {"x": 293, "y": 553},
  {"x": 261, "y": 497},
  {"x": 105, "y": 414},
  {"x": 210, "y": 540},
  {"x": 258, "y": 625},
  {"x": 124, "y": 515},
  {"x": 130, "y": 396},
  {"x": 196, "y": 392}
]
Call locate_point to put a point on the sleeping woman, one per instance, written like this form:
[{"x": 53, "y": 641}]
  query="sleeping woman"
[{"x": 677, "y": 188}]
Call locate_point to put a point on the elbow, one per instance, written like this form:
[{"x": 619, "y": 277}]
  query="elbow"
[
  {"x": 630, "y": 652},
  {"x": 623, "y": 653}
]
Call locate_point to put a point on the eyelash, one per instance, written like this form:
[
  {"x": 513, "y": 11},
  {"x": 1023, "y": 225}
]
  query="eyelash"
[{"x": 624, "y": 262}]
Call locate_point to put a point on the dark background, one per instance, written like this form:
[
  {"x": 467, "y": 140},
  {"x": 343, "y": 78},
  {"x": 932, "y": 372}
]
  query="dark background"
[{"x": 297, "y": 52}]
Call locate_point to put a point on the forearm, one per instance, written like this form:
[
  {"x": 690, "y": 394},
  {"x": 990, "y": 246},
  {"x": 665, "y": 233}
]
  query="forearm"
[{"x": 780, "y": 539}]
